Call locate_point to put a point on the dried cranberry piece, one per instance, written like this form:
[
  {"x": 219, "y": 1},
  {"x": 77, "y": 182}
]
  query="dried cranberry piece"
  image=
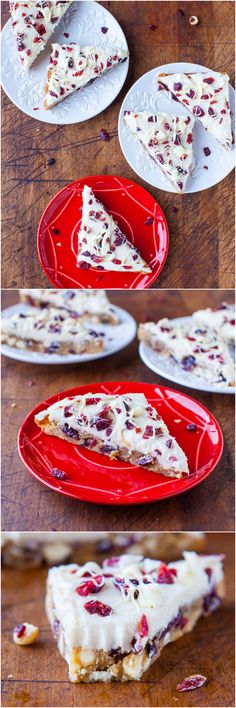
[
  {"x": 19, "y": 630},
  {"x": 110, "y": 562},
  {"x": 191, "y": 682},
  {"x": 198, "y": 111},
  {"x": 103, "y": 423},
  {"x": 209, "y": 80},
  {"x": 141, "y": 632},
  {"x": 211, "y": 602},
  {"x": 149, "y": 221},
  {"x": 191, "y": 93},
  {"x": 41, "y": 30},
  {"x": 70, "y": 63},
  {"x": 51, "y": 161},
  {"x": 129, "y": 425},
  {"x": 103, "y": 545},
  {"x": 90, "y": 587},
  {"x": 95, "y": 607},
  {"x": 148, "y": 432},
  {"x": 104, "y": 135},
  {"x": 20, "y": 44},
  {"x": 179, "y": 622},
  {"x": 119, "y": 240},
  {"x": 104, "y": 30},
  {"x": 152, "y": 27},
  {"x": 83, "y": 265},
  {"x": 191, "y": 427},
  {"x": 206, "y": 151},
  {"x": 177, "y": 86},
  {"x": 188, "y": 363},
  {"x": 106, "y": 449},
  {"x": 68, "y": 411},
  {"x": 59, "y": 474},
  {"x": 166, "y": 575},
  {"x": 120, "y": 583},
  {"x": 177, "y": 140},
  {"x": 70, "y": 432},
  {"x": 144, "y": 460},
  {"x": 169, "y": 443},
  {"x": 189, "y": 138},
  {"x": 92, "y": 401},
  {"x": 151, "y": 649},
  {"x": 208, "y": 571},
  {"x": 143, "y": 627}
]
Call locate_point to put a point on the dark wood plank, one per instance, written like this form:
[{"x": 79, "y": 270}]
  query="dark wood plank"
[
  {"x": 27, "y": 505},
  {"x": 37, "y": 675},
  {"x": 202, "y": 231}
]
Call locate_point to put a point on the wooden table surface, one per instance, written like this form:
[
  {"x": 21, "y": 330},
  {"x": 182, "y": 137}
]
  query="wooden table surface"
[
  {"x": 37, "y": 675},
  {"x": 201, "y": 231},
  {"x": 28, "y": 505}
]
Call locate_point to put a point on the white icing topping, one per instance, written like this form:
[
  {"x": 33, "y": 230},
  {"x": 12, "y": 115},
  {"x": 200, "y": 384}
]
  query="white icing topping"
[
  {"x": 206, "y": 95},
  {"x": 168, "y": 140},
  {"x": 126, "y": 421},
  {"x": 33, "y": 23},
  {"x": 50, "y": 327},
  {"x": 72, "y": 67},
  {"x": 195, "y": 347},
  {"x": 159, "y": 602},
  {"x": 221, "y": 320},
  {"x": 22, "y": 538},
  {"x": 101, "y": 244},
  {"x": 80, "y": 302}
]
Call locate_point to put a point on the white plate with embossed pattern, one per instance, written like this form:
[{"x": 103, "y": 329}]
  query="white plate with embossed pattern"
[
  {"x": 115, "y": 338},
  {"x": 143, "y": 96},
  {"x": 83, "y": 22},
  {"x": 164, "y": 367}
]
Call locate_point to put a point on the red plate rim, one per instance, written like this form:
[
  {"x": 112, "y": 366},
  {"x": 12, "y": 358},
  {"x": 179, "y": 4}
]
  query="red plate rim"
[
  {"x": 91, "y": 181},
  {"x": 189, "y": 483}
]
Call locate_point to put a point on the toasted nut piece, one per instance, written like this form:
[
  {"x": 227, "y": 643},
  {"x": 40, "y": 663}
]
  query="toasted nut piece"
[
  {"x": 24, "y": 634},
  {"x": 193, "y": 20}
]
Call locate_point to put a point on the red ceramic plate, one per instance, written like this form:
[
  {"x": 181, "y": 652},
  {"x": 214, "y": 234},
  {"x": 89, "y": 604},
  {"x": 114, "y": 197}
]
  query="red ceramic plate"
[
  {"x": 130, "y": 205},
  {"x": 95, "y": 478}
]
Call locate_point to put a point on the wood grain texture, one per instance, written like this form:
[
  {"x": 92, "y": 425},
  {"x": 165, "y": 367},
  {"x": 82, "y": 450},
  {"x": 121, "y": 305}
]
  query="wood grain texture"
[
  {"x": 37, "y": 675},
  {"x": 201, "y": 231},
  {"x": 28, "y": 505}
]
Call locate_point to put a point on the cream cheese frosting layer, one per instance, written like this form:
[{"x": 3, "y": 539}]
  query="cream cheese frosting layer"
[
  {"x": 80, "y": 303},
  {"x": 221, "y": 320},
  {"x": 168, "y": 140},
  {"x": 101, "y": 243},
  {"x": 72, "y": 67},
  {"x": 206, "y": 95},
  {"x": 162, "y": 591},
  {"x": 126, "y": 421},
  {"x": 197, "y": 348},
  {"x": 33, "y": 23},
  {"x": 51, "y": 327}
]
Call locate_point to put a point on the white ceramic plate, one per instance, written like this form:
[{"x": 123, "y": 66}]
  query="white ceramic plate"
[
  {"x": 143, "y": 96},
  {"x": 83, "y": 22},
  {"x": 173, "y": 372},
  {"x": 115, "y": 338}
]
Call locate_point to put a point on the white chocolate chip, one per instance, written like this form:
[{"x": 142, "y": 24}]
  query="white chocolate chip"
[
  {"x": 56, "y": 553},
  {"x": 25, "y": 634},
  {"x": 193, "y": 20}
]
